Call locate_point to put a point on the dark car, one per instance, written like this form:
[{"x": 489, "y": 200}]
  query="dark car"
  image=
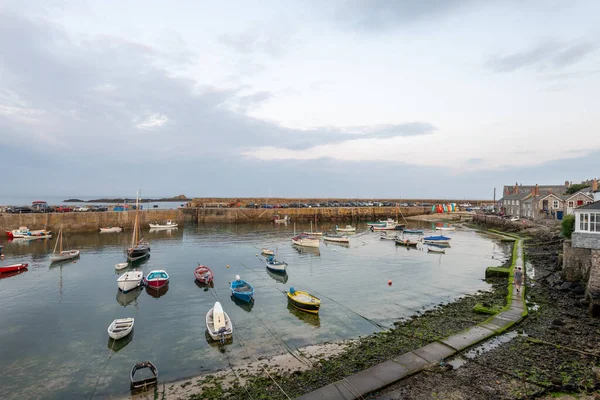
[
  {"x": 19, "y": 210},
  {"x": 99, "y": 208}
]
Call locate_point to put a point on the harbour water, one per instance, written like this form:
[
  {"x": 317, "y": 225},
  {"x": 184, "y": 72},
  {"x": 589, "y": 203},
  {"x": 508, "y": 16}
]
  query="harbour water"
[
  {"x": 53, "y": 338},
  {"x": 58, "y": 201}
]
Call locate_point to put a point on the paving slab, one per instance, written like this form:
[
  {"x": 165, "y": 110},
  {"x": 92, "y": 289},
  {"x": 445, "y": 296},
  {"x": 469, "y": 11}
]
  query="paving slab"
[
  {"x": 468, "y": 338},
  {"x": 434, "y": 352},
  {"x": 335, "y": 391},
  {"x": 378, "y": 376},
  {"x": 411, "y": 361}
]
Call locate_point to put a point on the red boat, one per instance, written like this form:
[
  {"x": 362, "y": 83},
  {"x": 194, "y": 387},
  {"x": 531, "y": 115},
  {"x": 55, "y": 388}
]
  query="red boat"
[
  {"x": 203, "y": 274},
  {"x": 157, "y": 279},
  {"x": 13, "y": 268}
]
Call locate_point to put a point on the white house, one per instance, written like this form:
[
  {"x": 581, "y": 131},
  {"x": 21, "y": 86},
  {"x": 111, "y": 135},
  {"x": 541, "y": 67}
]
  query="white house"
[{"x": 587, "y": 225}]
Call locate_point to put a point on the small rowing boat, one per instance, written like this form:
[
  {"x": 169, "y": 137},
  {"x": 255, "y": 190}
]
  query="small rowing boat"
[
  {"x": 445, "y": 228},
  {"x": 167, "y": 225},
  {"x": 137, "y": 384},
  {"x": 306, "y": 241},
  {"x": 121, "y": 266},
  {"x": 336, "y": 238},
  {"x": 203, "y": 274},
  {"x": 267, "y": 252},
  {"x": 120, "y": 328},
  {"x": 436, "y": 239},
  {"x": 304, "y": 301},
  {"x": 276, "y": 266},
  {"x": 434, "y": 250},
  {"x": 348, "y": 228},
  {"x": 130, "y": 280},
  {"x": 218, "y": 323},
  {"x": 414, "y": 231},
  {"x": 115, "y": 229},
  {"x": 384, "y": 236},
  {"x": 156, "y": 279},
  {"x": 406, "y": 242},
  {"x": 242, "y": 289},
  {"x": 13, "y": 268}
]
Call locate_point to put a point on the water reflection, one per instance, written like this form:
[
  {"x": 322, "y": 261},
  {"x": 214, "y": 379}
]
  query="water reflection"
[
  {"x": 307, "y": 318},
  {"x": 126, "y": 298},
  {"x": 11, "y": 274},
  {"x": 204, "y": 286},
  {"x": 312, "y": 251},
  {"x": 217, "y": 343},
  {"x": 116, "y": 345},
  {"x": 157, "y": 292},
  {"x": 244, "y": 305},
  {"x": 282, "y": 278}
]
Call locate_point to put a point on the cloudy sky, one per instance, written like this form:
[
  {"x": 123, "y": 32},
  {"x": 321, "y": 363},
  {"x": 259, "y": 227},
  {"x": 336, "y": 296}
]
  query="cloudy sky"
[{"x": 440, "y": 98}]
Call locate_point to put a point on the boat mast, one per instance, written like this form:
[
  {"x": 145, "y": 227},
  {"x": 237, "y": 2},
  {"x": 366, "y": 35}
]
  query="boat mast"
[{"x": 57, "y": 240}]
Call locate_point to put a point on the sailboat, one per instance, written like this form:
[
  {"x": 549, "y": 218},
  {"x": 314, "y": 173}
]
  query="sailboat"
[
  {"x": 311, "y": 233},
  {"x": 140, "y": 248},
  {"x": 62, "y": 255}
]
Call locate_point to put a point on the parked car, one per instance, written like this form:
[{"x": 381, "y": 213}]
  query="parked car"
[
  {"x": 19, "y": 210},
  {"x": 63, "y": 209},
  {"x": 99, "y": 208},
  {"x": 81, "y": 209}
]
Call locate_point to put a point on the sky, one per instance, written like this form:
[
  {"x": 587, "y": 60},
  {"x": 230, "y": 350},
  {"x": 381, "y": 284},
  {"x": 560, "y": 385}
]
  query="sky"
[{"x": 355, "y": 98}]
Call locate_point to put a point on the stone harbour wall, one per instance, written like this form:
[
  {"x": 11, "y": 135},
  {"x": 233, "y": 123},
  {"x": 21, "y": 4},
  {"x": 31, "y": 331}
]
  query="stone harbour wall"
[
  {"x": 576, "y": 262},
  {"x": 84, "y": 221},
  {"x": 586, "y": 240}
]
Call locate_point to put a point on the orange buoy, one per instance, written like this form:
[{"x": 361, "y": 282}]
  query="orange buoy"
[
  {"x": 227, "y": 266},
  {"x": 390, "y": 282}
]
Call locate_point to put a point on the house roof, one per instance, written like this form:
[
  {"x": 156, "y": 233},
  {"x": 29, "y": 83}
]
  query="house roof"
[
  {"x": 592, "y": 206},
  {"x": 524, "y": 190},
  {"x": 548, "y": 194},
  {"x": 584, "y": 191}
]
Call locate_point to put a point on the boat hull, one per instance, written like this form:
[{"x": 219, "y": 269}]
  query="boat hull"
[
  {"x": 203, "y": 274},
  {"x": 13, "y": 268},
  {"x": 306, "y": 241},
  {"x": 156, "y": 283},
  {"x": 247, "y": 297},
  {"x": 138, "y": 252},
  {"x": 130, "y": 280},
  {"x": 309, "y": 307},
  {"x": 115, "y": 229},
  {"x": 336, "y": 239},
  {"x": 65, "y": 255},
  {"x": 120, "y": 328},
  {"x": 406, "y": 243},
  {"x": 277, "y": 267}
]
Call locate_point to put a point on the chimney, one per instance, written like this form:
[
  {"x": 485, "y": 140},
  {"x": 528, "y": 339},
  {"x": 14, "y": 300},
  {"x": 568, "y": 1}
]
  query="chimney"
[
  {"x": 567, "y": 184},
  {"x": 516, "y": 187},
  {"x": 537, "y": 190},
  {"x": 594, "y": 185}
]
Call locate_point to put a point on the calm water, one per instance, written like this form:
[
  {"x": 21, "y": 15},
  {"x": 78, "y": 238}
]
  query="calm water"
[
  {"x": 53, "y": 338},
  {"x": 57, "y": 201}
]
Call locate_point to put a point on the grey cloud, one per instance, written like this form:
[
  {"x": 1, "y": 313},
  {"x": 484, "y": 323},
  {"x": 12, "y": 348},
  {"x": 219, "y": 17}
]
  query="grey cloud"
[
  {"x": 272, "y": 41},
  {"x": 546, "y": 56},
  {"x": 385, "y": 14},
  {"x": 90, "y": 94}
]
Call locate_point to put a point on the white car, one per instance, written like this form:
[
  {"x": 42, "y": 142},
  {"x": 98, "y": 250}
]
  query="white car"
[
  {"x": 513, "y": 219},
  {"x": 82, "y": 209}
]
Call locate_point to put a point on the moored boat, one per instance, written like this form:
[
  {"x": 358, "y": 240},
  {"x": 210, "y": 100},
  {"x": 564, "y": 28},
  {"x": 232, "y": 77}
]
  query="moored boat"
[
  {"x": 17, "y": 233},
  {"x": 305, "y": 240},
  {"x": 414, "y": 231},
  {"x": 336, "y": 238},
  {"x": 121, "y": 266},
  {"x": 434, "y": 250},
  {"x": 203, "y": 274},
  {"x": 437, "y": 239},
  {"x": 406, "y": 242},
  {"x": 384, "y": 236},
  {"x": 142, "y": 384},
  {"x": 445, "y": 228},
  {"x": 13, "y": 268},
  {"x": 167, "y": 225},
  {"x": 348, "y": 228},
  {"x": 140, "y": 248},
  {"x": 35, "y": 235},
  {"x": 242, "y": 289},
  {"x": 267, "y": 252},
  {"x": 130, "y": 280},
  {"x": 276, "y": 266},
  {"x": 120, "y": 328},
  {"x": 156, "y": 279},
  {"x": 304, "y": 301},
  {"x": 110, "y": 229},
  {"x": 62, "y": 255},
  {"x": 279, "y": 220},
  {"x": 218, "y": 323}
]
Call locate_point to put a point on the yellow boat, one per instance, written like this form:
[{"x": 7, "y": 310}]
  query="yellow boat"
[{"x": 304, "y": 301}]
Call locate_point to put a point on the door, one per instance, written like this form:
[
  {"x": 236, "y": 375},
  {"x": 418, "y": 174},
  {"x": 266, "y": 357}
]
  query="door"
[{"x": 559, "y": 215}]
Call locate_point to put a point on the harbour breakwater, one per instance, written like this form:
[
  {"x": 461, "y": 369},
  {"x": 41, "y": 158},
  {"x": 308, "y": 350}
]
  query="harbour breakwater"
[{"x": 84, "y": 221}]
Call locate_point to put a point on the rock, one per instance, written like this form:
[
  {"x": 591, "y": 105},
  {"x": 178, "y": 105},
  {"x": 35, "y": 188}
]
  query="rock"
[
  {"x": 558, "y": 322},
  {"x": 584, "y": 302},
  {"x": 578, "y": 288},
  {"x": 566, "y": 286},
  {"x": 556, "y": 381},
  {"x": 564, "y": 330}
]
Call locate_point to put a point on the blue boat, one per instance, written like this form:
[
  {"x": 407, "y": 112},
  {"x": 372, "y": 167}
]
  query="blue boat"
[
  {"x": 242, "y": 290},
  {"x": 414, "y": 231},
  {"x": 437, "y": 239}
]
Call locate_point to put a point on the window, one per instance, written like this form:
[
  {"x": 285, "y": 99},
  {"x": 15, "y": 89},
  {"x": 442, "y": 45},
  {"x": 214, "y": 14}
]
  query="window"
[
  {"x": 592, "y": 222},
  {"x": 584, "y": 222},
  {"x": 555, "y": 204},
  {"x": 517, "y": 202},
  {"x": 589, "y": 202},
  {"x": 597, "y": 222},
  {"x": 571, "y": 203}
]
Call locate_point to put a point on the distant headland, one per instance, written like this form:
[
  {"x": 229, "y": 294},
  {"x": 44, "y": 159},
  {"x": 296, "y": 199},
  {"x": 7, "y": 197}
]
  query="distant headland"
[{"x": 181, "y": 197}]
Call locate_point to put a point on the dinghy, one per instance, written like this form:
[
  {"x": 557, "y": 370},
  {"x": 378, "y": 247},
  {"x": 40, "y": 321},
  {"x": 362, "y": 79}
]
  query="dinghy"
[
  {"x": 121, "y": 266},
  {"x": 242, "y": 289},
  {"x": 384, "y": 236},
  {"x": 130, "y": 280},
  {"x": 336, "y": 238},
  {"x": 414, "y": 231},
  {"x": 137, "y": 384},
  {"x": 437, "y": 240},
  {"x": 120, "y": 328},
  {"x": 267, "y": 252},
  {"x": 304, "y": 301},
  {"x": 62, "y": 255},
  {"x": 434, "y": 250},
  {"x": 13, "y": 268},
  {"x": 406, "y": 242},
  {"x": 218, "y": 324},
  {"x": 306, "y": 241},
  {"x": 276, "y": 266},
  {"x": 167, "y": 225},
  {"x": 348, "y": 228},
  {"x": 37, "y": 235},
  {"x": 156, "y": 279},
  {"x": 115, "y": 229},
  {"x": 445, "y": 228},
  {"x": 203, "y": 274}
]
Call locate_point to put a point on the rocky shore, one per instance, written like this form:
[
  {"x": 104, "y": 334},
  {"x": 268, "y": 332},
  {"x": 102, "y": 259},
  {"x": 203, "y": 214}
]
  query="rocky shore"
[{"x": 554, "y": 351}]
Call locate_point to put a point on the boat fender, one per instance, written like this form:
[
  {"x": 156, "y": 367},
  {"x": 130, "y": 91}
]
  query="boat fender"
[
  {"x": 237, "y": 278},
  {"x": 292, "y": 290},
  {"x": 371, "y": 228}
]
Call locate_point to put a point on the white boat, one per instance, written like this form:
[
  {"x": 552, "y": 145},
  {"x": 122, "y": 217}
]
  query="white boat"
[
  {"x": 130, "y": 280},
  {"x": 275, "y": 266},
  {"x": 169, "y": 224},
  {"x": 121, "y": 266},
  {"x": 267, "y": 252},
  {"x": 348, "y": 228},
  {"x": 120, "y": 328},
  {"x": 311, "y": 233},
  {"x": 306, "y": 241},
  {"x": 62, "y": 255},
  {"x": 434, "y": 250},
  {"x": 445, "y": 228},
  {"x": 336, "y": 238},
  {"x": 387, "y": 226},
  {"x": 111, "y": 229},
  {"x": 386, "y": 237},
  {"x": 41, "y": 235},
  {"x": 218, "y": 324},
  {"x": 280, "y": 220}
]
